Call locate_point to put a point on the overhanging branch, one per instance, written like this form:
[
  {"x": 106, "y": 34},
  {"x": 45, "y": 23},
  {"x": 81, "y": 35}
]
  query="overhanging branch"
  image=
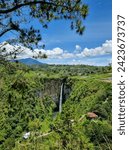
[
  {"x": 6, "y": 30},
  {"x": 27, "y": 4}
]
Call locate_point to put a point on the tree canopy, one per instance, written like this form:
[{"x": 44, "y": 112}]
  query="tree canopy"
[
  {"x": 29, "y": 99},
  {"x": 23, "y": 16}
]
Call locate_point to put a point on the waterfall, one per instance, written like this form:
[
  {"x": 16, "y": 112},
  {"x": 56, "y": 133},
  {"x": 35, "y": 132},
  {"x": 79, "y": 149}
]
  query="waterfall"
[{"x": 60, "y": 100}]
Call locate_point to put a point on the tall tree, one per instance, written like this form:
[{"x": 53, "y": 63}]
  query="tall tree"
[{"x": 19, "y": 16}]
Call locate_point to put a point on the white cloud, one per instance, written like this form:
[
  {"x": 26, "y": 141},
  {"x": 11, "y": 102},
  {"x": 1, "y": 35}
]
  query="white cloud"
[
  {"x": 68, "y": 55},
  {"x": 20, "y": 50},
  {"x": 59, "y": 53},
  {"x": 106, "y": 48},
  {"x": 78, "y": 48},
  {"x": 54, "y": 53}
]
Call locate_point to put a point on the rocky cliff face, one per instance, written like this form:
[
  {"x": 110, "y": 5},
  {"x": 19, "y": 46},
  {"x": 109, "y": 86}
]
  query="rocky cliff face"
[{"x": 52, "y": 87}]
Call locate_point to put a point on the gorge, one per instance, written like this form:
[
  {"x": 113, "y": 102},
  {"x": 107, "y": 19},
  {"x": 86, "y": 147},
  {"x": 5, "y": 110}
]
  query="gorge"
[{"x": 30, "y": 97}]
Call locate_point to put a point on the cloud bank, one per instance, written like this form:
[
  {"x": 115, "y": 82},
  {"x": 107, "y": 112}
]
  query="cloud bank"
[
  {"x": 59, "y": 53},
  {"x": 76, "y": 56}
]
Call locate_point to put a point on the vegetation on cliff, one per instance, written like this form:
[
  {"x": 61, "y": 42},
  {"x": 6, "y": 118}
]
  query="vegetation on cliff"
[{"x": 24, "y": 110}]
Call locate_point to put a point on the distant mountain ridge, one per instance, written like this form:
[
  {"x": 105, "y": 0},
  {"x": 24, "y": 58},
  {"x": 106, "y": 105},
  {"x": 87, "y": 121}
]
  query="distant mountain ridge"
[{"x": 29, "y": 61}]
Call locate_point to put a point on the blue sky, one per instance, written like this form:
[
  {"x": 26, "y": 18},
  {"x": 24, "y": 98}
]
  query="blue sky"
[
  {"x": 98, "y": 30},
  {"x": 64, "y": 46}
]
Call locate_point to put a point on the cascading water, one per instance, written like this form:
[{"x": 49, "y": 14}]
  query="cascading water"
[{"x": 61, "y": 96}]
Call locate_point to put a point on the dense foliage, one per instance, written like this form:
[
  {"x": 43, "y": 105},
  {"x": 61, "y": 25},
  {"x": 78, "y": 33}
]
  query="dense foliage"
[
  {"x": 23, "y": 110},
  {"x": 71, "y": 70},
  {"x": 21, "y": 16}
]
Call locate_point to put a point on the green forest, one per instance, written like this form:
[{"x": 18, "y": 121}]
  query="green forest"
[
  {"x": 29, "y": 107},
  {"x": 55, "y": 107}
]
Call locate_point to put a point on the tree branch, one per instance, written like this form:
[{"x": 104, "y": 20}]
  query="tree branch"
[
  {"x": 6, "y": 30},
  {"x": 27, "y": 4},
  {"x": 12, "y": 27}
]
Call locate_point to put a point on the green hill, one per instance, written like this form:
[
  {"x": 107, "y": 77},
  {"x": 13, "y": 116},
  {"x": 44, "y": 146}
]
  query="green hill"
[{"x": 29, "y": 101}]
